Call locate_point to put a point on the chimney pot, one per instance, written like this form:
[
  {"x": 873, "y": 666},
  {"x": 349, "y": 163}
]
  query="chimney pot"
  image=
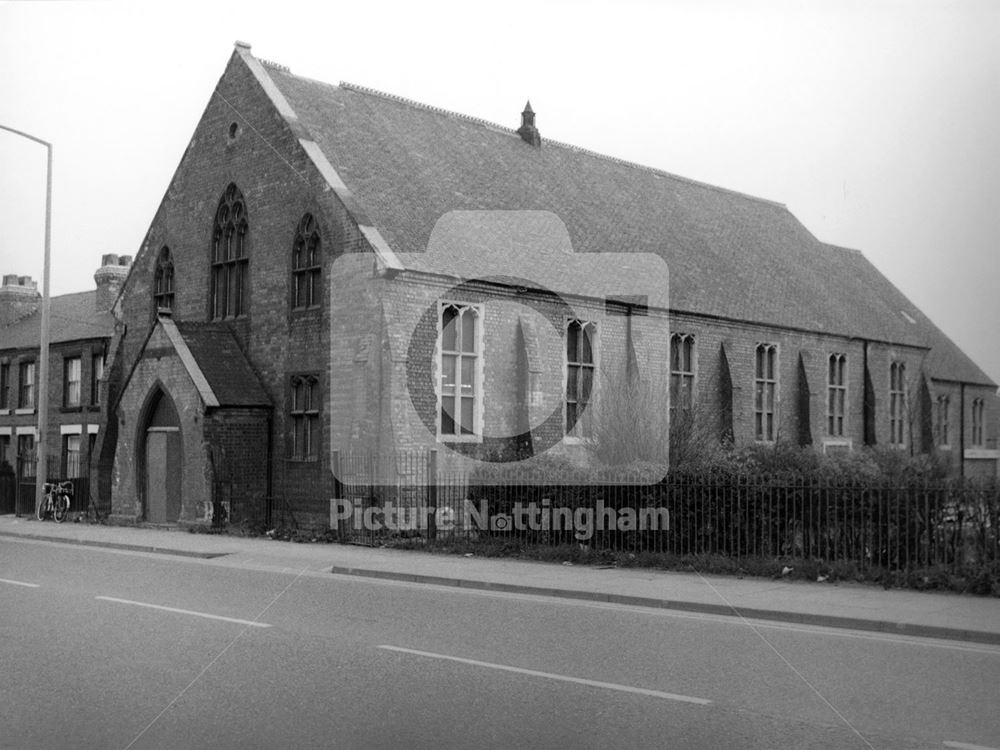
[
  {"x": 109, "y": 278},
  {"x": 19, "y": 298}
]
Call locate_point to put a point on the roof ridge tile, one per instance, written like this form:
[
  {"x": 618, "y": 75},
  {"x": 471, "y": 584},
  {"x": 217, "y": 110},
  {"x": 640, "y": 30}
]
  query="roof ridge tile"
[
  {"x": 367, "y": 90},
  {"x": 427, "y": 107}
]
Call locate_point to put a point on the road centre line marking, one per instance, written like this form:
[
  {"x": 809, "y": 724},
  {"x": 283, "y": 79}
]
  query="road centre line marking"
[
  {"x": 551, "y": 676},
  {"x": 730, "y": 620},
  {"x": 20, "y": 583},
  {"x": 248, "y": 623},
  {"x": 966, "y": 746}
]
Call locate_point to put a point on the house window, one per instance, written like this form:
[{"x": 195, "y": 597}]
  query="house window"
[
  {"x": 96, "y": 374},
  {"x": 681, "y": 372},
  {"x": 5, "y": 457},
  {"x": 306, "y": 269},
  {"x": 71, "y": 456},
  {"x": 230, "y": 263},
  {"x": 26, "y": 380},
  {"x": 978, "y": 418},
  {"x": 71, "y": 381},
  {"x": 460, "y": 394},
  {"x": 5, "y": 385},
  {"x": 765, "y": 391},
  {"x": 304, "y": 414},
  {"x": 836, "y": 399},
  {"x": 580, "y": 349},
  {"x": 163, "y": 281},
  {"x": 897, "y": 402},
  {"x": 941, "y": 421},
  {"x": 26, "y": 448}
]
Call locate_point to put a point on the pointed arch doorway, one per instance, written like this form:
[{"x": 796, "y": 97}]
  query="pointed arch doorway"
[{"x": 163, "y": 460}]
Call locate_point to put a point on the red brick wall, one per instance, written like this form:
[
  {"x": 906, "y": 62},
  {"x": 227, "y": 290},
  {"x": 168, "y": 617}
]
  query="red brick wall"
[
  {"x": 741, "y": 341},
  {"x": 160, "y": 368},
  {"x": 279, "y": 185},
  {"x": 239, "y": 440},
  {"x": 399, "y": 377},
  {"x": 60, "y": 415}
]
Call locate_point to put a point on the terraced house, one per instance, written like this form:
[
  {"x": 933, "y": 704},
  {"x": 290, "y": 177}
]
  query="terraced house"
[
  {"x": 81, "y": 327},
  {"x": 334, "y": 268}
]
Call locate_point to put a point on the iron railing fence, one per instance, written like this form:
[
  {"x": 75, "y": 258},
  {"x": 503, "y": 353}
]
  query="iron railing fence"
[
  {"x": 894, "y": 525},
  {"x": 231, "y": 508},
  {"x": 58, "y": 470}
]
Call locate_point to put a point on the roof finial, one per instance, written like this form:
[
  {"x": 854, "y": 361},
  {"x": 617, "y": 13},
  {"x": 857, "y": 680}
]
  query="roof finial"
[{"x": 528, "y": 131}]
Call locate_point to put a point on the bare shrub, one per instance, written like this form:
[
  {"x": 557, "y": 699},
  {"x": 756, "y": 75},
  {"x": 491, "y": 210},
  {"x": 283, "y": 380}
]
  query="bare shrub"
[{"x": 630, "y": 422}]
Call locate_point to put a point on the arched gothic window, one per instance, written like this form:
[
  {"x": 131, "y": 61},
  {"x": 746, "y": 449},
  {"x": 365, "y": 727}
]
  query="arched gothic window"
[
  {"x": 307, "y": 271},
  {"x": 765, "y": 392},
  {"x": 163, "y": 281},
  {"x": 681, "y": 373},
  {"x": 897, "y": 403},
  {"x": 304, "y": 413},
  {"x": 230, "y": 261}
]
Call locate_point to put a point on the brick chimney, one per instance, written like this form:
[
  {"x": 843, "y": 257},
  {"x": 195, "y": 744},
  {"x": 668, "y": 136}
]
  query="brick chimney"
[
  {"x": 109, "y": 278},
  {"x": 19, "y": 298},
  {"x": 528, "y": 132}
]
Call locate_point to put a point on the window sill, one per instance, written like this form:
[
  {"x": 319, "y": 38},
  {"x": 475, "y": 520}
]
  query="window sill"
[
  {"x": 982, "y": 453},
  {"x": 831, "y": 443},
  {"x": 25, "y": 411},
  {"x": 460, "y": 439}
]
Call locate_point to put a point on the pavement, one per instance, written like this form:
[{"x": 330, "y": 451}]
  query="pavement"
[{"x": 842, "y": 605}]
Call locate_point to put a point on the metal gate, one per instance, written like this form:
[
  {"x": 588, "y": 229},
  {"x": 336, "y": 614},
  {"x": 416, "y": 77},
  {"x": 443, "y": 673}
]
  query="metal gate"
[{"x": 26, "y": 469}]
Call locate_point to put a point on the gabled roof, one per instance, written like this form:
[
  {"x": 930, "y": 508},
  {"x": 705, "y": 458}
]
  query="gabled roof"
[
  {"x": 72, "y": 317},
  {"x": 881, "y": 299},
  {"x": 730, "y": 255},
  {"x": 219, "y": 365},
  {"x": 212, "y": 359}
]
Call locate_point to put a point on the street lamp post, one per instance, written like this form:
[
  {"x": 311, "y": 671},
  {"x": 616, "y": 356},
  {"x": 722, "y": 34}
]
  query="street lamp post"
[{"x": 41, "y": 466}]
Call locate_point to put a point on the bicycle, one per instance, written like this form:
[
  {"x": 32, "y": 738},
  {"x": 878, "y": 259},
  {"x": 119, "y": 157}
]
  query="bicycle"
[{"x": 56, "y": 502}]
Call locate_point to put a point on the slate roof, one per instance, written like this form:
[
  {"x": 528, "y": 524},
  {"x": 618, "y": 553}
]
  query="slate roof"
[
  {"x": 532, "y": 249},
  {"x": 729, "y": 255},
  {"x": 223, "y": 364},
  {"x": 72, "y": 317},
  {"x": 945, "y": 360}
]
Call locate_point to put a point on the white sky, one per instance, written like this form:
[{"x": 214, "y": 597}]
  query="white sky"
[{"x": 877, "y": 123}]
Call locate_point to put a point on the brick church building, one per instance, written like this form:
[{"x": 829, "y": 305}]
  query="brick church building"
[{"x": 335, "y": 269}]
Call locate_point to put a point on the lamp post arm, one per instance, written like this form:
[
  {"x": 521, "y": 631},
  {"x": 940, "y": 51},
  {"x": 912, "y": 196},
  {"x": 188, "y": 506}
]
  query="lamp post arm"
[
  {"x": 29, "y": 136},
  {"x": 41, "y": 470}
]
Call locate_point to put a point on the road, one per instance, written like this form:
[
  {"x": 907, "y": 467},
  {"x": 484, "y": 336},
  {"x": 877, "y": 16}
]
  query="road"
[{"x": 112, "y": 649}]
